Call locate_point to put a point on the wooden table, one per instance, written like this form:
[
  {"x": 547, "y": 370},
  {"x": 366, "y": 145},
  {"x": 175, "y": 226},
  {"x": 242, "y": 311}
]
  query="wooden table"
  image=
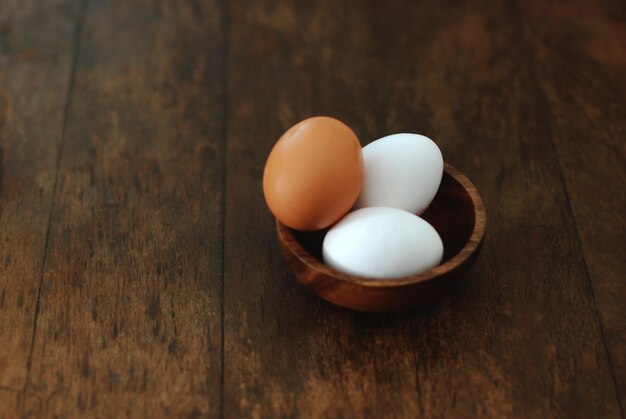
[{"x": 140, "y": 274}]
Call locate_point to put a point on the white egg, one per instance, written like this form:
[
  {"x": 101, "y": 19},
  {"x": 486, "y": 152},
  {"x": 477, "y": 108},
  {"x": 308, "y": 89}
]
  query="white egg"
[
  {"x": 401, "y": 171},
  {"x": 381, "y": 242}
]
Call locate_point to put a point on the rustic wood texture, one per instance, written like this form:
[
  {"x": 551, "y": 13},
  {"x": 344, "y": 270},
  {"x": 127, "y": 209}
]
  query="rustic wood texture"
[
  {"x": 457, "y": 213},
  {"x": 129, "y": 310},
  {"x": 34, "y": 78},
  {"x": 140, "y": 273},
  {"x": 581, "y": 66}
]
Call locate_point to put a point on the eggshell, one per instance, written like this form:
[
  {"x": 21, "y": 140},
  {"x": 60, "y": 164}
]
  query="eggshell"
[
  {"x": 313, "y": 174},
  {"x": 401, "y": 171},
  {"x": 382, "y": 242}
]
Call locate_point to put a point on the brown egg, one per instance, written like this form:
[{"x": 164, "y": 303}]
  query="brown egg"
[{"x": 313, "y": 174}]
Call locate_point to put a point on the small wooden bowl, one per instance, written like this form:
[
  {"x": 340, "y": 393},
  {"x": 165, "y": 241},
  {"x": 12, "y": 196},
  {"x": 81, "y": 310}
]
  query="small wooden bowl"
[{"x": 458, "y": 215}]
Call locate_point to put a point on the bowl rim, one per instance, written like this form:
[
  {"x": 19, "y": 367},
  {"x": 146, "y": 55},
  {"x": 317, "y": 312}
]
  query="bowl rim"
[{"x": 287, "y": 238}]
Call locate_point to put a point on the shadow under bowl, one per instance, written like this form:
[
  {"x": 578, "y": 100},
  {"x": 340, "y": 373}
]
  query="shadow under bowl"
[{"x": 457, "y": 213}]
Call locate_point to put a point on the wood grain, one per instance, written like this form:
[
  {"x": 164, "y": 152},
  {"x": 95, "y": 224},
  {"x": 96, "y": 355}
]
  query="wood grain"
[
  {"x": 34, "y": 78},
  {"x": 581, "y": 67},
  {"x": 140, "y": 274},
  {"x": 500, "y": 348},
  {"x": 130, "y": 306}
]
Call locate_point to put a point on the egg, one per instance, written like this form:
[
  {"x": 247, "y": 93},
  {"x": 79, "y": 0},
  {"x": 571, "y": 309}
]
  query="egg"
[
  {"x": 382, "y": 242},
  {"x": 314, "y": 174},
  {"x": 401, "y": 171}
]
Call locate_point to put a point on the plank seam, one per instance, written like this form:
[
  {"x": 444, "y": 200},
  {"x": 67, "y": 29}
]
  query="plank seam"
[
  {"x": 570, "y": 213},
  {"x": 68, "y": 99},
  {"x": 598, "y": 316},
  {"x": 224, "y": 150}
]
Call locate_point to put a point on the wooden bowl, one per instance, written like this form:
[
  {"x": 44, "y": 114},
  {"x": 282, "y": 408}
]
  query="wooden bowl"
[{"x": 458, "y": 215}]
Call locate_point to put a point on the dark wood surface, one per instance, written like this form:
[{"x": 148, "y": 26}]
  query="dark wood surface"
[{"x": 140, "y": 274}]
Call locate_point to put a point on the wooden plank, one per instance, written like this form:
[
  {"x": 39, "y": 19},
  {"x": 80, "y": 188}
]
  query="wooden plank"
[
  {"x": 522, "y": 339},
  {"x": 581, "y": 63},
  {"x": 34, "y": 76},
  {"x": 130, "y": 306}
]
